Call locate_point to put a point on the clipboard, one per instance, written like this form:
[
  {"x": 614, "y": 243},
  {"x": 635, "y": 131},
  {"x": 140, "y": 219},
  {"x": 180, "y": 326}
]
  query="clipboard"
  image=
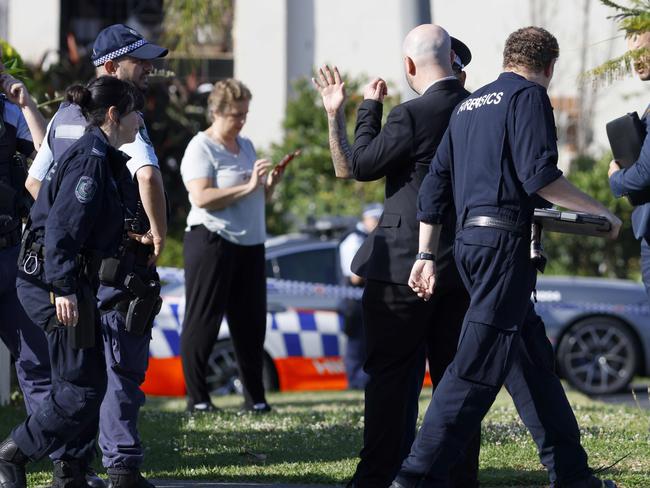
[{"x": 626, "y": 135}]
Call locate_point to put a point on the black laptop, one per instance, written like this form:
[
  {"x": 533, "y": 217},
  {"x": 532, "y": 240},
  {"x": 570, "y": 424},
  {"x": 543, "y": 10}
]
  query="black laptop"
[{"x": 569, "y": 222}]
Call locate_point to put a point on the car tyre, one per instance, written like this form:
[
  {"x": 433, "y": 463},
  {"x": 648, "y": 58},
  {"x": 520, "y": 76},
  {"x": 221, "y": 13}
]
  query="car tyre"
[
  {"x": 222, "y": 374},
  {"x": 598, "y": 355}
]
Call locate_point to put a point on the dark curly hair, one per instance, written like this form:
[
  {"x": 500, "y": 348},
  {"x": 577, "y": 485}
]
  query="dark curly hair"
[{"x": 530, "y": 47}]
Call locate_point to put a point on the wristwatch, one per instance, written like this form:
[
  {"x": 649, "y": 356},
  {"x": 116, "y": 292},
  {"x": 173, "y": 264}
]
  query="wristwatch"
[{"x": 426, "y": 256}]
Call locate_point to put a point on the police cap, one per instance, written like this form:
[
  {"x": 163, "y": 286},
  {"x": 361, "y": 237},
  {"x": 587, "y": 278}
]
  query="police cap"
[
  {"x": 121, "y": 40},
  {"x": 462, "y": 51}
]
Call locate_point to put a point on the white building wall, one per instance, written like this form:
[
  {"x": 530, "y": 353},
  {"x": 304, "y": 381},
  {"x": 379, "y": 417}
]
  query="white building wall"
[
  {"x": 364, "y": 38},
  {"x": 484, "y": 27},
  {"x": 33, "y": 27},
  {"x": 260, "y": 54}
]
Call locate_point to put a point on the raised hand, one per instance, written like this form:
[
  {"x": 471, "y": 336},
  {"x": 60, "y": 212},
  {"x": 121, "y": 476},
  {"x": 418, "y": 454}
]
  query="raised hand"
[
  {"x": 331, "y": 88},
  {"x": 423, "y": 278},
  {"x": 15, "y": 90},
  {"x": 375, "y": 90}
]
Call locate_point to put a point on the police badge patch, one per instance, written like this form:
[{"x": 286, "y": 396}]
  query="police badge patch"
[{"x": 85, "y": 189}]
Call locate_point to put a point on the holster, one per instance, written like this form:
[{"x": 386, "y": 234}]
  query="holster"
[{"x": 144, "y": 307}]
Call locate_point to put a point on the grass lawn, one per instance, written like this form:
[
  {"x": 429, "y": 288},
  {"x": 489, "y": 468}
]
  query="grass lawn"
[{"x": 315, "y": 438}]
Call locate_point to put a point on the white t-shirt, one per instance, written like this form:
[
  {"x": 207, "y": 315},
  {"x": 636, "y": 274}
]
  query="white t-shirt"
[
  {"x": 242, "y": 222},
  {"x": 348, "y": 249}
]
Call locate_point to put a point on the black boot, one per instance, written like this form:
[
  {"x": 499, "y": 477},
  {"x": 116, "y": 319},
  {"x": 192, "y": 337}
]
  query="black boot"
[
  {"x": 92, "y": 478},
  {"x": 12, "y": 465},
  {"x": 128, "y": 479},
  {"x": 68, "y": 473}
]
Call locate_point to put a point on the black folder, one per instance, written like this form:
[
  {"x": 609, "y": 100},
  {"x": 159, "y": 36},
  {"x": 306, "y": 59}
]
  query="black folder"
[
  {"x": 568, "y": 222},
  {"x": 626, "y": 135}
]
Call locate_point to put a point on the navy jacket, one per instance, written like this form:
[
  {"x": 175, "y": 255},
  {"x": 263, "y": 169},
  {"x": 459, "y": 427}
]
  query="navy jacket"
[
  {"x": 401, "y": 152},
  {"x": 79, "y": 208},
  {"x": 499, "y": 150},
  {"x": 634, "y": 178}
]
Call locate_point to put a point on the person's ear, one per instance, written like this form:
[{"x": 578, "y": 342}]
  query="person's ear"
[
  {"x": 549, "y": 70},
  {"x": 110, "y": 66},
  {"x": 409, "y": 66},
  {"x": 452, "y": 57},
  {"x": 113, "y": 115}
]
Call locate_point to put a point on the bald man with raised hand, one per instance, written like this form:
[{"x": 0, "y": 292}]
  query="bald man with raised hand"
[{"x": 401, "y": 330}]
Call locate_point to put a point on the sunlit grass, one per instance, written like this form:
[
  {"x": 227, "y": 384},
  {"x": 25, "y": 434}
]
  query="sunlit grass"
[{"x": 315, "y": 438}]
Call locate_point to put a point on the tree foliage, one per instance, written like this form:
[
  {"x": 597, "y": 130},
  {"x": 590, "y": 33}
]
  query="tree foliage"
[
  {"x": 310, "y": 188},
  {"x": 189, "y": 24},
  {"x": 632, "y": 19}
]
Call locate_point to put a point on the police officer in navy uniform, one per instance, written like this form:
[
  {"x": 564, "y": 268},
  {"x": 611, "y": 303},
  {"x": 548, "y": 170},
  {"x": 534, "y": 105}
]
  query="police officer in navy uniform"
[
  {"x": 637, "y": 176},
  {"x": 401, "y": 331},
  {"x": 76, "y": 221},
  {"x": 121, "y": 52},
  {"x": 498, "y": 157},
  {"x": 350, "y": 308},
  {"x": 21, "y": 130}
]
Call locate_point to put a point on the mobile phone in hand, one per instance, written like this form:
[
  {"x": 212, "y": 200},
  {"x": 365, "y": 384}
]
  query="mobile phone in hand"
[{"x": 286, "y": 160}]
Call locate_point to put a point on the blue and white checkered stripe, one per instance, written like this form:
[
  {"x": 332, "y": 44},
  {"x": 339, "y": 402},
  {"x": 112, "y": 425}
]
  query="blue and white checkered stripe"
[
  {"x": 292, "y": 333},
  {"x": 120, "y": 52},
  {"x": 286, "y": 287}
]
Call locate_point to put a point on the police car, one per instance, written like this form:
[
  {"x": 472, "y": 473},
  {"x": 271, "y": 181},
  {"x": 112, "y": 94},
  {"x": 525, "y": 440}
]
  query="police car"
[{"x": 600, "y": 328}]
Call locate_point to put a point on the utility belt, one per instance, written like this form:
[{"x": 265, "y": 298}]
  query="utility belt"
[
  {"x": 31, "y": 260},
  {"x": 536, "y": 250},
  {"x": 143, "y": 303}
]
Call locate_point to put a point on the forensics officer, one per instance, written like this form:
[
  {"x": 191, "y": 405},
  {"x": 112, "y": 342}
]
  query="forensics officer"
[
  {"x": 637, "y": 176},
  {"x": 76, "y": 221},
  {"x": 397, "y": 325},
  {"x": 497, "y": 156}
]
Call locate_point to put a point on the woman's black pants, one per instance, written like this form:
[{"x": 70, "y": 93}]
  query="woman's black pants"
[{"x": 222, "y": 278}]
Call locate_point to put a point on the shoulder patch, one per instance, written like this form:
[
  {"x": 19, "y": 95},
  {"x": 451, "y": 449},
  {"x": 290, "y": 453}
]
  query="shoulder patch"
[{"x": 85, "y": 189}]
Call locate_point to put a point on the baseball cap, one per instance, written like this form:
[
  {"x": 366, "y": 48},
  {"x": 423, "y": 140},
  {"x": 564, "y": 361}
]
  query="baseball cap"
[
  {"x": 121, "y": 40},
  {"x": 463, "y": 54}
]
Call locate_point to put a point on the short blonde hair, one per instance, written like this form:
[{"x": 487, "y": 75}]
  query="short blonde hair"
[{"x": 225, "y": 93}]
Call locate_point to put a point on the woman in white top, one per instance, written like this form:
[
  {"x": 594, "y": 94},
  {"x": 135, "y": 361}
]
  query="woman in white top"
[{"x": 224, "y": 247}]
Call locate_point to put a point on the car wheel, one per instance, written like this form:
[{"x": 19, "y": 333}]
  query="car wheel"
[
  {"x": 598, "y": 355},
  {"x": 223, "y": 375}
]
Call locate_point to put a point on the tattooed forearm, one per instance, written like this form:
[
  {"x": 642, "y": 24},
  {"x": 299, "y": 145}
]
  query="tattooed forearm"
[{"x": 339, "y": 146}]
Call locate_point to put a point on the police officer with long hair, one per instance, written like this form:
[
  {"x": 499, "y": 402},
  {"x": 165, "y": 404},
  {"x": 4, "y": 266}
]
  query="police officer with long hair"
[{"x": 76, "y": 221}]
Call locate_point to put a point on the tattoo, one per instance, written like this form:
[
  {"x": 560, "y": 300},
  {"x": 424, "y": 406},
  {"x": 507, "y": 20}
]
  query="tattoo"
[{"x": 339, "y": 146}]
